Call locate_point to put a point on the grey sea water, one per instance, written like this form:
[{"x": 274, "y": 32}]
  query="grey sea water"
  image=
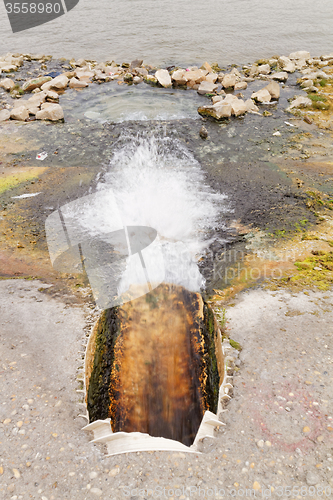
[{"x": 183, "y": 32}]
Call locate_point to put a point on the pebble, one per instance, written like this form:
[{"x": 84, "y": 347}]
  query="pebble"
[
  {"x": 312, "y": 478},
  {"x": 1, "y": 471},
  {"x": 19, "y": 424},
  {"x": 256, "y": 485},
  {"x": 114, "y": 472},
  {"x": 92, "y": 475},
  {"x": 16, "y": 473},
  {"x": 320, "y": 439},
  {"x": 7, "y": 421},
  {"x": 268, "y": 443},
  {"x": 306, "y": 429},
  {"x": 96, "y": 491}
]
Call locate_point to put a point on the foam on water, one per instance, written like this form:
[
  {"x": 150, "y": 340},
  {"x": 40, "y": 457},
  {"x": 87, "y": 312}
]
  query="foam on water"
[{"x": 156, "y": 182}]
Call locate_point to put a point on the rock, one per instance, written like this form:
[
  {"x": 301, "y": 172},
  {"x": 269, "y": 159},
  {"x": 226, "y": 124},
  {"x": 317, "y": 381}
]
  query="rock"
[
  {"x": 7, "y": 84},
  {"x": 59, "y": 82},
  {"x": 150, "y": 79},
  {"x": 260, "y": 443},
  {"x": 300, "y": 102},
  {"x": 93, "y": 475},
  {"x": 137, "y": 63},
  {"x": 7, "y": 68},
  {"x": 254, "y": 71},
  {"x": 301, "y": 64},
  {"x": 76, "y": 84},
  {"x": 37, "y": 99},
  {"x": 327, "y": 57},
  {"x": 218, "y": 111},
  {"x": 238, "y": 107},
  {"x": 237, "y": 74},
  {"x": 312, "y": 478},
  {"x": 206, "y": 66},
  {"x": 178, "y": 77},
  {"x": 52, "y": 96},
  {"x": 163, "y": 78},
  {"x": 128, "y": 78},
  {"x": 315, "y": 75},
  {"x": 229, "y": 81},
  {"x": 4, "y": 115},
  {"x": 53, "y": 112},
  {"x": 217, "y": 98},
  {"x": 241, "y": 86},
  {"x": 307, "y": 83},
  {"x": 220, "y": 77},
  {"x": 211, "y": 77},
  {"x": 286, "y": 64},
  {"x": 203, "y": 133},
  {"x": 141, "y": 71},
  {"x": 19, "y": 113},
  {"x": 84, "y": 75},
  {"x": 137, "y": 79},
  {"x": 251, "y": 107},
  {"x": 35, "y": 83},
  {"x": 195, "y": 76},
  {"x": 207, "y": 88},
  {"x": 274, "y": 90},
  {"x": 264, "y": 69},
  {"x": 281, "y": 76},
  {"x": 301, "y": 54},
  {"x": 96, "y": 491},
  {"x": 261, "y": 96}
]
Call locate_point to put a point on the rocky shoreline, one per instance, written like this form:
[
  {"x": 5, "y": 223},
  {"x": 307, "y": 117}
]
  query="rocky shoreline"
[{"x": 37, "y": 98}]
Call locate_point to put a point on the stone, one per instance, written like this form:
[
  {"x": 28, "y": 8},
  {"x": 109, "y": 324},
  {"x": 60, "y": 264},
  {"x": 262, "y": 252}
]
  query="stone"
[
  {"x": 218, "y": 111},
  {"x": 241, "y": 86},
  {"x": 251, "y": 107},
  {"x": 137, "y": 63},
  {"x": 301, "y": 64},
  {"x": 35, "y": 83},
  {"x": 96, "y": 491},
  {"x": 16, "y": 473},
  {"x": 237, "y": 74},
  {"x": 206, "y": 66},
  {"x": 274, "y": 89},
  {"x": 312, "y": 478},
  {"x": 178, "y": 77},
  {"x": 217, "y": 98},
  {"x": 195, "y": 76},
  {"x": 238, "y": 107},
  {"x": 53, "y": 112},
  {"x": 20, "y": 113},
  {"x": 150, "y": 79},
  {"x": 229, "y": 81},
  {"x": 301, "y": 54},
  {"x": 327, "y": 57},
  {"x": 83, "y": 75},
  {"x": 286, "y": 64},
  {"x": 4, "y": 115},
  {"x": 280, "y": 76},
  {"x": 128, "y": 78},
  {"x": 163, "y": 78},
  {"x": 93, "y": 475},
  {"x": 260, "y": 443},
  {"x": 137, "y": 79},
  {"x": 7, "y": 68},
  {"x": 7, "y": 84},
  {"x": 52, "y": 96},
  {"x": 254, "y": 71},
  {"x": 203, "y": 132},
  {"x": 211, "y": 77},
  {"x": 59, "y": 82},
  {"x": 76, "y": 84},
  {"x": 307, "y": 83},
  {"x": 261, "y": 96},
  {"x": 300, "y": 102},
  {"x": 141, "y": 71},
  {"x": 207, "y": 88},
  {"x": 37, "y": 99},
  {"x": 264, "y": 69}
]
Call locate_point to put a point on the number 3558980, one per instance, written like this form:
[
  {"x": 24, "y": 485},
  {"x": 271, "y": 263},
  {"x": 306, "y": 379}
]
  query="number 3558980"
[{"x": 33, "y": 8}]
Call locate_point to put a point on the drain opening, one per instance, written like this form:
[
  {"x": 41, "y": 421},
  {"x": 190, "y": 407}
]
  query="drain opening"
[{"x": 155, "y": 366}]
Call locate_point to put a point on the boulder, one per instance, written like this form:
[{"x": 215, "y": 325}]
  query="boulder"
[
  {"x": 76, "y": 84},
  {"x": 280, "y": 76},
  {"x": 53, "y": 112},
  {"x": 163, "y": 78},
  {"x": 37, "y": 99},
  {"x": 84, "y": 75},
  {"x": 254, "y": 71},
  {"x": 52, "y": 96},
  {"x": 195, "y": 76},
  {"x": 241, "y": 86},
  {"x": 274, "y": 89},
  {"x": 307, "y": 83},
  {"x": 7, "y": 68},
  {"x": 211, "y": 77},
  {"x": 300, "y": 64},
  {"x": 35, "y": 83},
  {"x": 261, "y": 96},
  {"x": 264, "y": 69},
  {"x": 217, "y": 98},
  {"x": 59, "y": 82},
  {"x": 4, "y": 115},
  {"x": 207, "y": 88},
  {"x": 229, "y": 98},
  {"x": 220, "y": 77},
  {"x": 141, "y": 71},
  {"x": 218, "y": 111},
  {"x": 301, "y": 54},
  {"x": 229, "y": 81},
  {"x": 286, "y": 64},
  {"x": 19, "y": 113},
  {"x": 178, "y": 77},
  {"x": 251, "y": 107},
  {"x": 238, "y": 107},
  {"x": 300, "y": 102},
  {"x": 7, "y": 84}
]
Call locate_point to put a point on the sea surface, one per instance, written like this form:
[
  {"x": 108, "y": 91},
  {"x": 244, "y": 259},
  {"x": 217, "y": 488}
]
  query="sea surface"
[{"x": 179, "y": 32}]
